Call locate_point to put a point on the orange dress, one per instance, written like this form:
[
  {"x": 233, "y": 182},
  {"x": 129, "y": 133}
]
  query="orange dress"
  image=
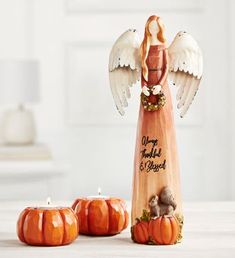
[{"x": 156, "y": 160}]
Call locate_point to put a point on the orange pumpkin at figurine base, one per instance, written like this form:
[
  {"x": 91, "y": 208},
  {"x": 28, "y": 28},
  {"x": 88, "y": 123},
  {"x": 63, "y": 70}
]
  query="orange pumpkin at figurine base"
[
  {"x": 101, "y": 216},
  {"x": 140, "y": 232},
  {"x": 164, "y": 230},
  {"x": 44, "y": 226}
]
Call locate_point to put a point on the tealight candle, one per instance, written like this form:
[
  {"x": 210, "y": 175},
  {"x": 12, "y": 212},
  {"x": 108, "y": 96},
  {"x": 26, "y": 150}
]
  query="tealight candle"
[
  {"x": 48, "y": 201},
  {"x": 99, "y": 196},
  {"x": 101, "y": 215},
  {"x": 47, "y": 226}
]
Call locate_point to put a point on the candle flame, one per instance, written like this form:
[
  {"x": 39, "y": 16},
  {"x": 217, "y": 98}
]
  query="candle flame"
[
  {"x": 99, "y": 191},
  {"x": 48, "y": 200}
]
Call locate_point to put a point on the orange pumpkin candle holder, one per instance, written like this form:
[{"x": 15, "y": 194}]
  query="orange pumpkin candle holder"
[
  {"x": 47, "y": 226},
  {"x": 101, "y": 216}
]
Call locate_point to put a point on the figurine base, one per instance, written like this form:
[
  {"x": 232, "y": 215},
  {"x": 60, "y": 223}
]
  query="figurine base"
[{"x": 163, "y": 230}]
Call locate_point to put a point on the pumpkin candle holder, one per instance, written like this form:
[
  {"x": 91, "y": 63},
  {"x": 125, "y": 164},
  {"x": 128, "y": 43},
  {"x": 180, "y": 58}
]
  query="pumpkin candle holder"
[
  {"x": 101, "y": 215},
  {"x": 47, "y": 226}
]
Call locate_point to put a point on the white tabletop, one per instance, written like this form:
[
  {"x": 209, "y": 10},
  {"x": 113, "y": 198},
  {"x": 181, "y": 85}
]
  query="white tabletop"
[{"x": 209, "y": 232}]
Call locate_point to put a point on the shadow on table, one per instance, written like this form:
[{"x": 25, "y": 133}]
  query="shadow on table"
[
  {"x": 6, "y": 243},
  {"x": 117, "y": 239},
  {"x": 10, "y": 243},
  {"x": 126, "y": 240}
]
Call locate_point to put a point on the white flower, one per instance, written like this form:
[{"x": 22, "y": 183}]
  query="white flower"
[
  {"x": 145, "y": 90},
  {"x": 156, "y": 89}
]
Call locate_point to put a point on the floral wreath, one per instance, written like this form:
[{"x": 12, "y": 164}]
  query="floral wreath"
[{"x": 153, "y": 106}]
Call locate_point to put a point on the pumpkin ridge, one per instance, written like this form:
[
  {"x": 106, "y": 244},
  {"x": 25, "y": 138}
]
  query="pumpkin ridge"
[
  {"x": 28, "y": 239},
  {"x": 120, "y": 211},
  {"x": 63, "y": 220},
  {"x": 159, "y": 229},
  {"x": 172, "y": 230},
  {"x": 99, "y": 222},
  {"x": 87, "y": 206},
  {"x": 43, "y": 222},
  {"x": 124, "y": 217},
  {"x": 74, "y": 208},
  {"x": 75, "y": 204},
  {"x": 125, "y": 224},
  {"x": 76, "y": 216},
  {"x": 169, "y": 229},
  {"x": 22, "y": 224},
  {"x": 110, "y": 219},
  {"x": 175, "y": 231},
  {"x": 143, "y": 228},
  {"x": 53, "y": 228},
  {"x": 137, "y": 234}
]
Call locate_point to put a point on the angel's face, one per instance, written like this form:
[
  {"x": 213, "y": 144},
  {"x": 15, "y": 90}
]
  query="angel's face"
[{"x": 153, "y": 28}]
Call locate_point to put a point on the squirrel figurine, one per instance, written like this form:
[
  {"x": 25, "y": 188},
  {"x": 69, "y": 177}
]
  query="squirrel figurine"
[{"x": 165, "y": 205}]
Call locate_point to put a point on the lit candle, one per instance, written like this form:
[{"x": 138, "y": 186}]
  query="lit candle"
[
  {"x": 48, "y": 201},
  {"x": 99, "y": 196}
]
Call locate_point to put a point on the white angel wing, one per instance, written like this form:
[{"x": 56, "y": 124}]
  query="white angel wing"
[
  {"x": 185, "y": 69},
  {"x": 124, "y": 67}
]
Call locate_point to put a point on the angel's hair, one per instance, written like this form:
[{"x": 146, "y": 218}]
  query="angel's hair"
[{"x": 145, "y": 45}]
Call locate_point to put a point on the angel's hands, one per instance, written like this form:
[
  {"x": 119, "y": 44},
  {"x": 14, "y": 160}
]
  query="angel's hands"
[
  {"x": 156, "y": 89},
  {"x": 145, "y": 90}
]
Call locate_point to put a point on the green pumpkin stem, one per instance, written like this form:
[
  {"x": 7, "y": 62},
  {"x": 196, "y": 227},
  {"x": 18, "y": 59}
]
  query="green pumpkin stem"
[{"x": 146, "y": 216}]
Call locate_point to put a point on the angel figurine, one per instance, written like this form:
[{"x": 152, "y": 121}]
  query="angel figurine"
[{"x": 156, "y": 194}]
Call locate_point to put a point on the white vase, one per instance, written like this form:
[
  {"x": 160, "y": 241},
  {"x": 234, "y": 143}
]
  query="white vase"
[{"x": 18, "y": 127}]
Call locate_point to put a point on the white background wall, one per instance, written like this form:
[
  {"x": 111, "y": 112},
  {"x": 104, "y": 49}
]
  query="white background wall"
[{"x": 76, "y": 115}]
